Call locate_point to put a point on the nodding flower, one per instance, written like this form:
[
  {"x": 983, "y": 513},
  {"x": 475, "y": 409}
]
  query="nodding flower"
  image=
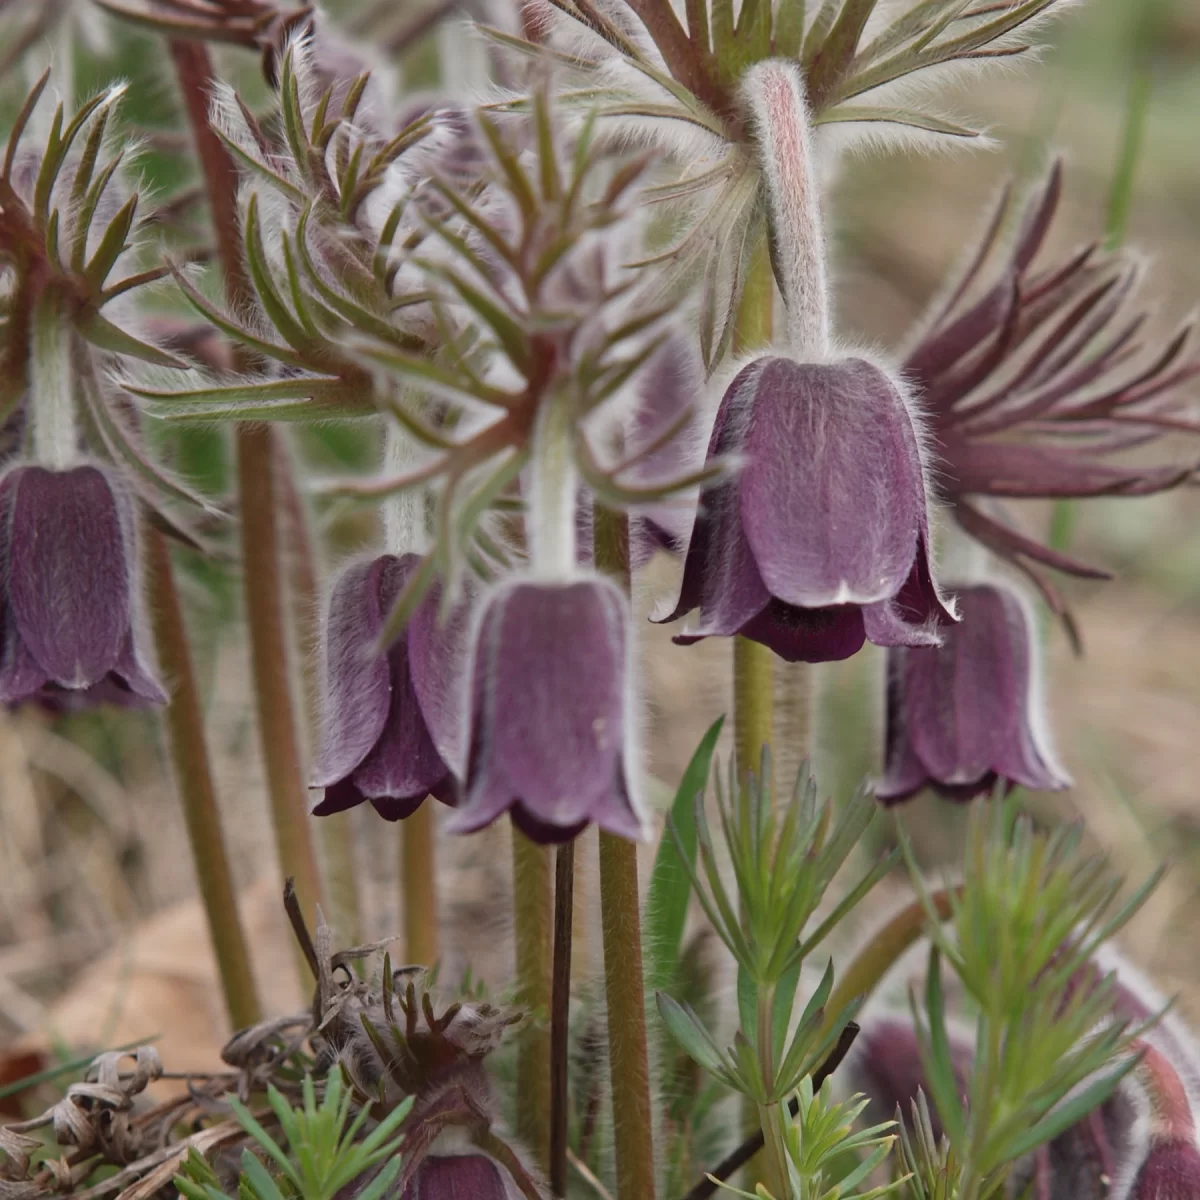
[
  {"x": 380, "y": 703},
  {"x": 551, "y": 703},
  {"x": 70, "y": 606},
  {"x": 967, "y": 715},
  {"x": 821, "y": 541}
]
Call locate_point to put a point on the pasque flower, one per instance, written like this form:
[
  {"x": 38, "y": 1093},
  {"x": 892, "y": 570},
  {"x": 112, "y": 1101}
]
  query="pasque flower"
[
  {"x": 1036, "y": 379},
  {"x": 550, "y": 730},
  {"x": 966, "y": 715},
  {"x": 822, "y": 540},
  {"x": 378, "y": 746},
  {"x": 70, "y": 610},
  {"x": 459, "y": 1177}
]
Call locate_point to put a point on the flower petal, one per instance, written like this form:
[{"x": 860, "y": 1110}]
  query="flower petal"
[
  {"x": 438, "y": 654},
  {"x": 338, "y": 798},
  {"x": 548, "y": 727},
  {"x": 357, "y": 683},
  {"x": 69, "y": 572},
  {"x": 808, "y": 634},
  {"x": 135, "y": 676},
  {"x": 970, "y": 702},
  {"x": 832, "y": 495},
  {"x": 457, "y": 1177},
  {"x": 719, "y": 573}
]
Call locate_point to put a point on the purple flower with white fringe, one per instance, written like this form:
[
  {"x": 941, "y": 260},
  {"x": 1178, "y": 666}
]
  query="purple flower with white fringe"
[
  {"x": 383, "y": 705},
  {"x": 967, "y": 715},
  {"x": 822, "y": 541},
  {"x": 70, "y": 604},
  {"x": 550, "y": 731}
]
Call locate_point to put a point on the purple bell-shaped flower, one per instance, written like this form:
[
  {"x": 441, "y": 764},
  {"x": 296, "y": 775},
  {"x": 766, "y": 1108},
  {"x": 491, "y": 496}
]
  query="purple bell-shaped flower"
[
  {"x": 70, "y": 610},
  {"x": 966, "y": 715},
  {"x": 822, "y": 541},
  {"x": 459, "y": 1177},
  {"x": 380, "y": 705},
  {"x": 550, "y": 702}
]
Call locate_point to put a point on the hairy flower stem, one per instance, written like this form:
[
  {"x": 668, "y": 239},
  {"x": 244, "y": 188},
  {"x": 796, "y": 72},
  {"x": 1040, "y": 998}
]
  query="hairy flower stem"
[
  {"x": 532, "y": 903},
  {"x": 257, "y": 491},
  {"x": 418, "y": 886},
  {"x": 404, "y": 532},
  {"x": 752, "y": 663},
  {"x": 560, "y": 1014},
  {"x": 52, "y": 382},
  {"x": 336, "y": 831},
  {"x": 183, "y": 721},
  {"x": 620, "y": 920},
  {"x": 776, "y": 1161}
]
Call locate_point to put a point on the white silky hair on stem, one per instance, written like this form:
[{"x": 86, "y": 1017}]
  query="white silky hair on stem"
[
  {"x": 774, "y": 94},
  {"x": 53, "y": 418}
]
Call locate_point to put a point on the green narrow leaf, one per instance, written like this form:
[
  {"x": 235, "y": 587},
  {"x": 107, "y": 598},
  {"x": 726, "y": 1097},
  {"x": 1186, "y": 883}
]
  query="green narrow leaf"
[
  {"x": 22, "y": 119},
  {"x": 289, "y": 189},
  {"x": 259, "y": 1178},
  {"x": 229, "y": 327},
  {"x": 1071, "y": 1112},
  {"x": 670, "y": 882},
  {"x": 112, "y": 245},
  {"x": 785, "y": 1001},
  {"x": 894, "y": 116},
  {"x": 747, "y": 1002},
  {"x": 103, "y": 333},
  {"x": 280, "y": 316},
  {"x": 686, "y": 1028},
  {"x": 837, "y": 51}
]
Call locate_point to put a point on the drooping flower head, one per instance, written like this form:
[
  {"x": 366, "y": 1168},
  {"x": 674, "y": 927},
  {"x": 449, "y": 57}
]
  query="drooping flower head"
[
  {"x": 967, "y": 715},
  {"x": 74, "y": 481},
  {"x": 551, "y": 711},
  {"x": 380, "y": 704},
  {"x": 822, "y": 540},
  {"x": 1038, "y": 380},
  {"x": 70, "y": 604}
]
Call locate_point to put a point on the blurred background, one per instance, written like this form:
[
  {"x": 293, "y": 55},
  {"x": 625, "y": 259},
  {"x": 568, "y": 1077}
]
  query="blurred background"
[{"x": 101, "y": 939}]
